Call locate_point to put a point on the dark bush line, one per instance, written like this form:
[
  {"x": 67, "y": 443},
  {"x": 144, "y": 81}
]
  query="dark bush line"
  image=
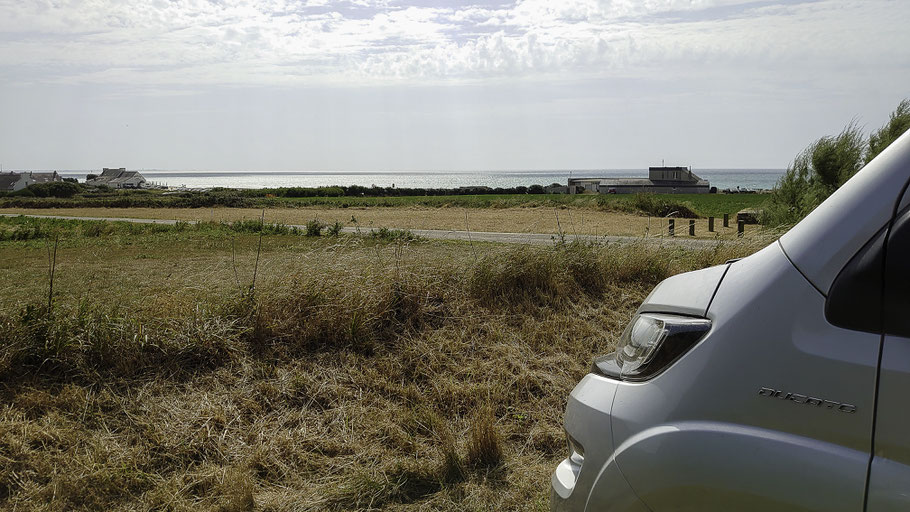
[
  {"x": 80, "y": 197},
  {"x": 188, "y": 200},
  {"x": 52, "y": 189},
  {"x": 375, "y": 191}
]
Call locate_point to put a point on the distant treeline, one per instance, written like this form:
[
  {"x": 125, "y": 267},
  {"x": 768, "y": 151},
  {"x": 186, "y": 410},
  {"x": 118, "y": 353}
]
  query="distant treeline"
[
  {"x": 59, "y": 195},
  {"x": 72, "y": 195},
  {"x": 374, "y": 191}
]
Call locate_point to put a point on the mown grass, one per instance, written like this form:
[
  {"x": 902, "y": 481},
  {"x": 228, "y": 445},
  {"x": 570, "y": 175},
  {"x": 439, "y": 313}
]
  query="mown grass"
[{"x": 361, "y": 374}]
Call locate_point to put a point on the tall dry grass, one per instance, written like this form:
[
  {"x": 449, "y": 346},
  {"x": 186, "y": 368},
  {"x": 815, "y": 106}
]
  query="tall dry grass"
[{"x": 394, "y": 384}]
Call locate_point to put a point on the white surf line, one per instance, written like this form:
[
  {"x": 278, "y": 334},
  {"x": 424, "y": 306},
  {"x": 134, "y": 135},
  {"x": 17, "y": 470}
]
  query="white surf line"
[{"x": 442, "y": 234}]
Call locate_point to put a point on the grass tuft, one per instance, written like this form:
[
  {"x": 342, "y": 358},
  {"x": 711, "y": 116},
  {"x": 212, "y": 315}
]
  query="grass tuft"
[{"x": 484, "y": 445}]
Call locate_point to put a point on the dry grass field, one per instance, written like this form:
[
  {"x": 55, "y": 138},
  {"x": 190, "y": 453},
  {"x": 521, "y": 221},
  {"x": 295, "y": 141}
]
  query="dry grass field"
[
  {"x": 509, "y": 220},
  {"x": 358, "y": 374}
]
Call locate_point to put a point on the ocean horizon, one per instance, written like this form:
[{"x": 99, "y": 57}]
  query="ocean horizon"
[{"x": 749, "y": 179}]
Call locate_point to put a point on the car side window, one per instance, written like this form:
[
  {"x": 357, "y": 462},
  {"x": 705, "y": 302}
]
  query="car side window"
[
  {"x": 896, "y": 304},
  {"x": 855, "y": 298}
]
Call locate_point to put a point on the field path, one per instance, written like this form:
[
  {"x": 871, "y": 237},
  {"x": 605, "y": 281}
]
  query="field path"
[{"x": 444, "y": 234}]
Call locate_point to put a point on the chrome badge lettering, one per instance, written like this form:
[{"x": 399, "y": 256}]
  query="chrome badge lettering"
[{"x": 806, "y": 400}]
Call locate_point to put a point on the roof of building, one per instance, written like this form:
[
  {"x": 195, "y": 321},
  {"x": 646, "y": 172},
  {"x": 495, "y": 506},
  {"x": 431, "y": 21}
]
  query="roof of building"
[
  {"x": 115, "y": 177},
  {"x": 8, "y": 180},
  {"x": 45, "y": 177},
  {"x": 112, "y": 173}
]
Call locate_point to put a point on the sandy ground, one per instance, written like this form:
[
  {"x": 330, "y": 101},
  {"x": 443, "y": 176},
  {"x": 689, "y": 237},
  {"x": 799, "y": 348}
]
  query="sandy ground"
[{"x": 505, "y": 220}]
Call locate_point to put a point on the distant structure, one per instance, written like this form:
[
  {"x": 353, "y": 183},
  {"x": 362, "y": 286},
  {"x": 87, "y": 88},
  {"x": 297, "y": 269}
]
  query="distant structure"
[
  {"x": 45, "y": 177},
  {"x": 117, "y": 178},
  {"x": 13, "y": 181},
  {"x": 661, "y": 180}
]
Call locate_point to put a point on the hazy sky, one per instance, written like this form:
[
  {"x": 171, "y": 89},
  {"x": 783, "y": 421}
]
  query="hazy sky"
[{"x": 431, "y": 84}]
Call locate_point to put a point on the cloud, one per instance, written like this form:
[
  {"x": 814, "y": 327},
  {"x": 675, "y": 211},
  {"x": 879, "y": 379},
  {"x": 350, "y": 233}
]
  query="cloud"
[{"x": 183, "y": 42}]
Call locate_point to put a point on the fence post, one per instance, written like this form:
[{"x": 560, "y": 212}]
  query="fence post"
[
  {"x": 726, "y": 220},
  {"x": 692, "y": 227},
  {"x": 710, "y": 224},
  {"x": 672, "y": 227},
  {"x": 740, "y": 228}
]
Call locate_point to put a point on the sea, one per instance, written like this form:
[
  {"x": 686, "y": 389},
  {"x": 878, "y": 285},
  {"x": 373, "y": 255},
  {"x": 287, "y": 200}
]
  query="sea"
[{"x": 743, "y": 179}]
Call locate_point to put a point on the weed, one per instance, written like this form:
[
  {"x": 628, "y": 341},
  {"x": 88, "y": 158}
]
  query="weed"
[
  {"x": 314, "y": 228},
  {"x": 393, "y": 235},
  {"x": 335, "y": 229}
]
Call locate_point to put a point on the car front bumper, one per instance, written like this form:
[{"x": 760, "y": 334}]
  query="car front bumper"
[{"x": 589, "y": 479}]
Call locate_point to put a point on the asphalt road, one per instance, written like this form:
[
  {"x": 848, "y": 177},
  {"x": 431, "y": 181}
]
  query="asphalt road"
[{"x": 467, "y": 236}]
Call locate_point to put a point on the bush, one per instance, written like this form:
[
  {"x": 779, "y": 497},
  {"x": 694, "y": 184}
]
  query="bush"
[
  {"x": 654, "y": 205},
  {"x": 815, "y": 174},
  {"x": 826, "y": 165},
  {"x": 56, "y": 189},
  {"x": 393, "y": 235},
  {"x": 335, "y": 229},
  {"x": 24, "y": 192},
  {"x": 314, "y": 228},
  {"x": 896, "y": 126}
]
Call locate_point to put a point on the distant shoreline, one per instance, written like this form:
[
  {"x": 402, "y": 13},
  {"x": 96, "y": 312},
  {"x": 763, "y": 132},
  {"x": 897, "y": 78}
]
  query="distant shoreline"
[{"x": 751, "y": 179}]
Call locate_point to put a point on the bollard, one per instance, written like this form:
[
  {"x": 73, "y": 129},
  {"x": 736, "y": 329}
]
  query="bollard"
[
  {"x": 726, "y": 220},
  {"x": 740, "y": 228},
  {"x": 692, "y": 227},
  {"x": 672, "y": 227},
  {"x": 710, "y": 224}
]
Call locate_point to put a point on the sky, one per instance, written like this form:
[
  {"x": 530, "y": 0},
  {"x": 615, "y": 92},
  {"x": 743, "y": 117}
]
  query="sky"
[{"x": 389, "y": 85}]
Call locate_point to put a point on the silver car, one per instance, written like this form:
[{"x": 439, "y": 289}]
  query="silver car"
[{"x": 777, "y": 382}]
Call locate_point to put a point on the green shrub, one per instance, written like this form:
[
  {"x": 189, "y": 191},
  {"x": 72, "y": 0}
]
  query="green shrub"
[
  {"x": 56, "y": 189},
  {"x": 335, "y": 229},
  {"x": 393, "y": 235},
  {"x": 314, "y": 228},
  {"x": 826, "y": 165},
  {"x": 815, "y": 174},
  {"x": 650, "y": 204},
  {"x": 24, "y": 192},
  {"x": 896, "y": 126}
]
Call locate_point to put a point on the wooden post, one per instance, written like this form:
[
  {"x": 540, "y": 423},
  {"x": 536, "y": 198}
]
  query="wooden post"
[
  {"x": 726, "y": 220},
  {"x": 672, "y": 227},
  {"x": 710, "y": 224},
  {"x": 740, "y": 228},
  {"x": 691, "y": 227}
]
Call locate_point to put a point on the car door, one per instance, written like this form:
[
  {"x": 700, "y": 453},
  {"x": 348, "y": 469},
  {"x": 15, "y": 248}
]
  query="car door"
[{"x": 889, "y": 472}]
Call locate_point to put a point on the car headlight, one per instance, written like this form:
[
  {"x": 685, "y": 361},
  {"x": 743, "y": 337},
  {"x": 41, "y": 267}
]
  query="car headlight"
[{"x": 650, "y": 343}]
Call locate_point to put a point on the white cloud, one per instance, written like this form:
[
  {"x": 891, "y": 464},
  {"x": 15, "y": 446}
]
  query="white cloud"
[{"x": 358, "y": 42}]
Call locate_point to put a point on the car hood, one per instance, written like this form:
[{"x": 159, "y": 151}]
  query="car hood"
[{"x": 688, "y": 294}]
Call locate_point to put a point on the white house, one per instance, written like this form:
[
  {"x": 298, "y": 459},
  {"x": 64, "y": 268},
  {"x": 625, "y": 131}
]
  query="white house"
[{"x": 13, "y": 181}]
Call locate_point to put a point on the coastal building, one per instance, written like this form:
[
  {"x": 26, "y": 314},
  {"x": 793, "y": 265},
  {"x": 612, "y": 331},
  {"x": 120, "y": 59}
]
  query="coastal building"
[
  {"x": 45, "y": 177},
  {"x": 660, "y": 180},
  {"x": 117, "y": 178},
  {"x": 13, "y": 181}
]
